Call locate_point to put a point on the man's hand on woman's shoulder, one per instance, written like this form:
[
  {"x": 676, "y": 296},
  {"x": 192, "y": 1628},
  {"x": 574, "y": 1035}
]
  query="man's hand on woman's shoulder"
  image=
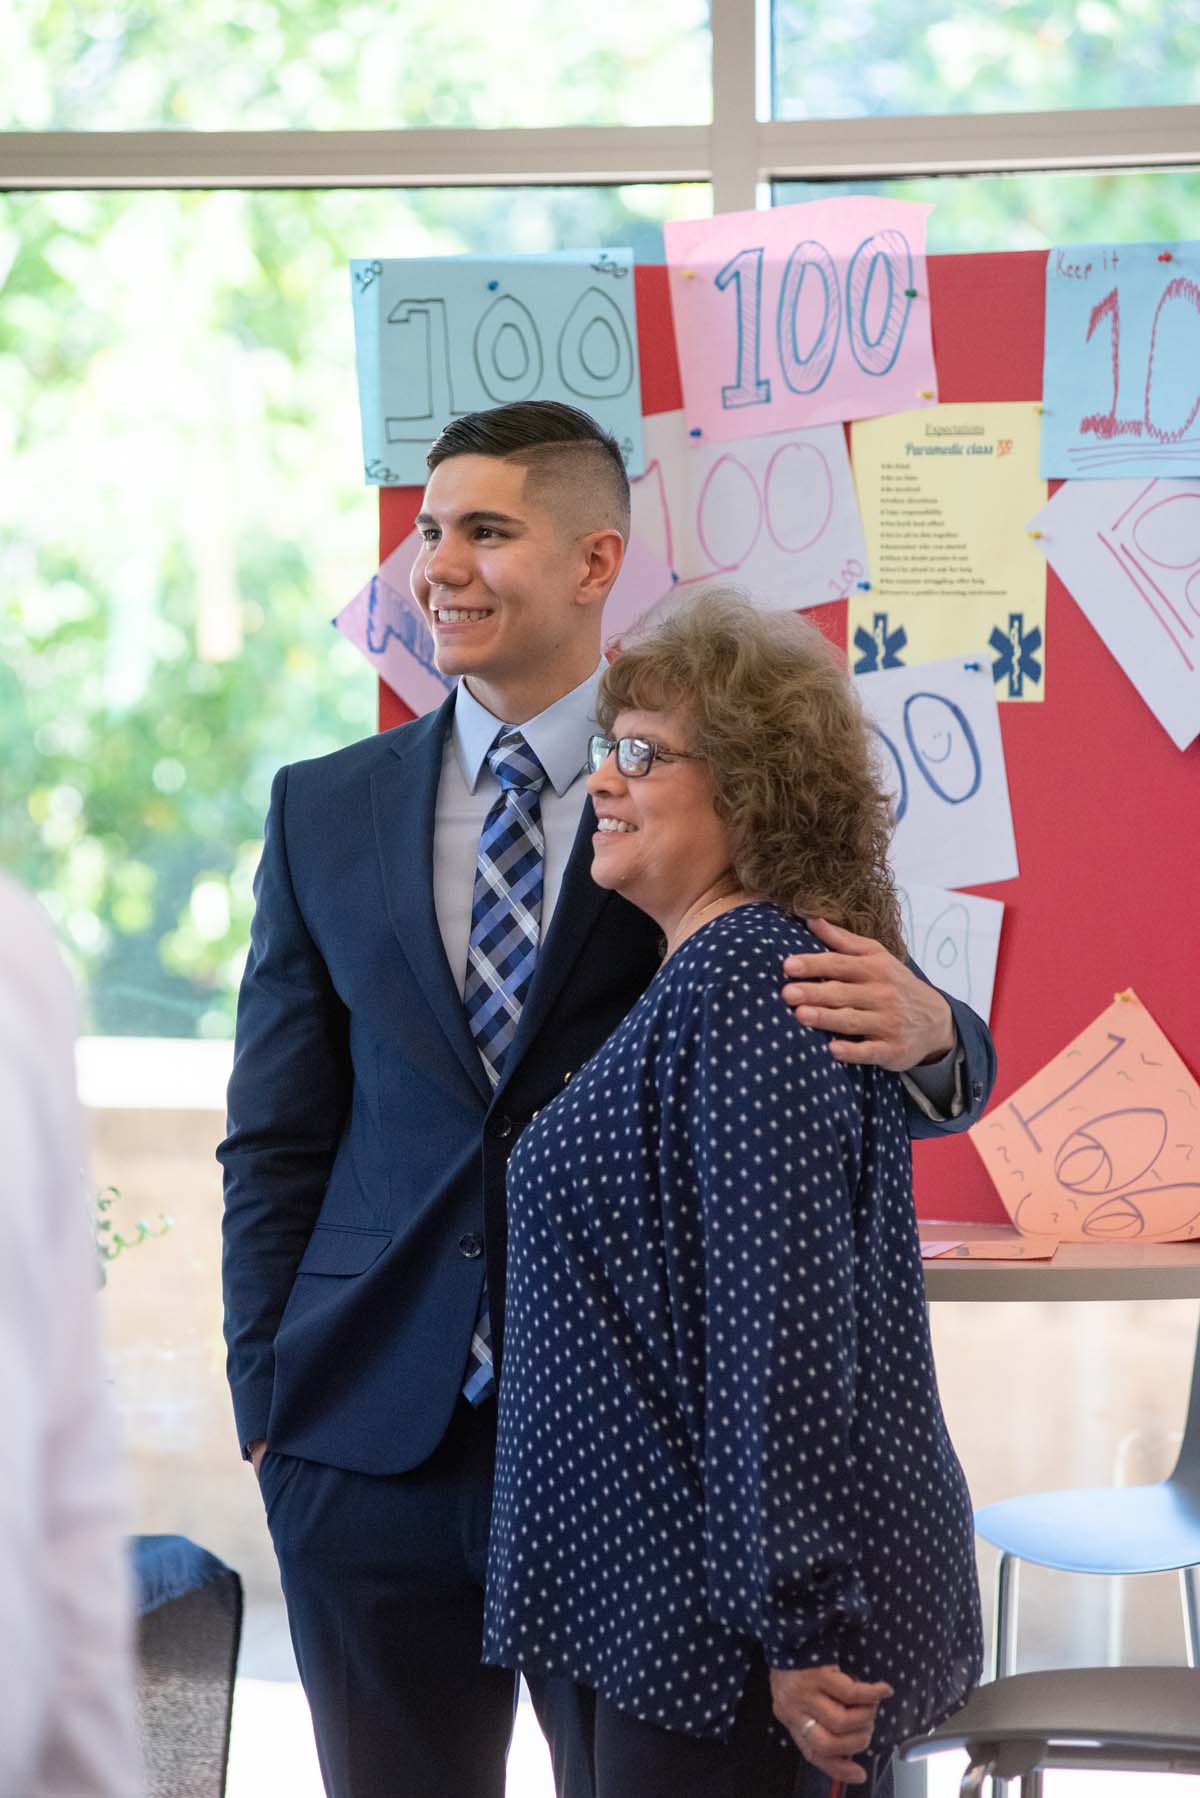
[
  {"x": 858, "y": 990},
  {"x": 829, "y": 1716}
]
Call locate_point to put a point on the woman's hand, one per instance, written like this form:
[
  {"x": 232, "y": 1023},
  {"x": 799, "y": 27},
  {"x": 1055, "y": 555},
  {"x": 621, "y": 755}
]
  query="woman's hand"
[{"x": 829, "y": 1716}]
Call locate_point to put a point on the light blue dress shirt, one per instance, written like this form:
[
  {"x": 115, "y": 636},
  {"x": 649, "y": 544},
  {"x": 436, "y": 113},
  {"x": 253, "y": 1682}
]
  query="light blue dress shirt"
[{"x": 559, "y": 738}]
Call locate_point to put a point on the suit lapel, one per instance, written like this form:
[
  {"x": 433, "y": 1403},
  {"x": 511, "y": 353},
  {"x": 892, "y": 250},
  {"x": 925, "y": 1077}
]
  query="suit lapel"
[
  {"x": 404, "y": 793},
  {"x": 580, "y": 902}
]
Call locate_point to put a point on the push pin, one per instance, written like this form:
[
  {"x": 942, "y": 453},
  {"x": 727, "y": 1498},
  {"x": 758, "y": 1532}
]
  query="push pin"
[
  {"x": 910, "y": 293},
  {"x": 863, "y": 586},
  {"x": 926, "y": 393},
  {"x": 492, "y": 286},
  {"x": 1039, "y": 408},
  {"x": 695, "y": 431},
  {"x": 1035, "y": 534},
  {"x": 1163, "y": 256},
  {"x": 973, "y": 667},
  {"x": 689, "y": 274}
]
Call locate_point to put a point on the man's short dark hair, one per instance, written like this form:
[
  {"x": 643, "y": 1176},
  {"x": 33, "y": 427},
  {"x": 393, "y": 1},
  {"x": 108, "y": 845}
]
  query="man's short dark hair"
[{"x": 574, "y": 464}]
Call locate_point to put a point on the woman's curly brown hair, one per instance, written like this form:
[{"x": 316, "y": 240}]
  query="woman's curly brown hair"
[{"x": 777, "y": 720}]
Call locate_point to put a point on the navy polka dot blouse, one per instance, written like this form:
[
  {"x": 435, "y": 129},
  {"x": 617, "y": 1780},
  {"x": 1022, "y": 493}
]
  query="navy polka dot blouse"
[{"x": 719, "y": 1423}]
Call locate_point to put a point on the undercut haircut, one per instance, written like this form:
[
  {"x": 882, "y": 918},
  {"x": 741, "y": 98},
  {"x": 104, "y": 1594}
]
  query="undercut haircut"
[{"x": 575, "y": 468}]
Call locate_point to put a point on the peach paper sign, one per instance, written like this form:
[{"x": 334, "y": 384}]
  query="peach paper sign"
[
  {"x": 801, "y": 315},
  {"x": 1103, "y": 1144}
]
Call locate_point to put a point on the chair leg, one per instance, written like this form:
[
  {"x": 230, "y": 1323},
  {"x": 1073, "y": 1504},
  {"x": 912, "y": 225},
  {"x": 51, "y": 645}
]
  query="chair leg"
[
  {"x": 1031, "y": 1784},
  {"x": 972, "y": 1780},
  {"x": 1004, "y": 1631},
  {"x": 1189, "y": 1589},
  {"x": 1115, "y": 1620}
]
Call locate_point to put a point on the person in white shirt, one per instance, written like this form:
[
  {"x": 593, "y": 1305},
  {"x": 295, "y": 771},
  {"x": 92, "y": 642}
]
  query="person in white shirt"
[{"x": 65, "y": 1646}]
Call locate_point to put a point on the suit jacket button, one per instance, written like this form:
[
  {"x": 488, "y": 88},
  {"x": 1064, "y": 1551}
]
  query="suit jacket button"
[
  {"x": 470, "y": 1245},
  {"x": 502, "y": 1127}
]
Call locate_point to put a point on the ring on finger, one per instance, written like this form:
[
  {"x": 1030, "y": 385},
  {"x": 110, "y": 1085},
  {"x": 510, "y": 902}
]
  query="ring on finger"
[{"x": 808, "y": 1723}]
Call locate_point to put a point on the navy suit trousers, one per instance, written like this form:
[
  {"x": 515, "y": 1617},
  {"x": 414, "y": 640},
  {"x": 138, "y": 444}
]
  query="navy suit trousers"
[{"x": 383, "y": 1576}]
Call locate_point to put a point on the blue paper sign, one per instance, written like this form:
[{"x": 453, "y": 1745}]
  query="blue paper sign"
[
  {"x": 1122, "y": 369},
  {"x": 436, "y": 338}
]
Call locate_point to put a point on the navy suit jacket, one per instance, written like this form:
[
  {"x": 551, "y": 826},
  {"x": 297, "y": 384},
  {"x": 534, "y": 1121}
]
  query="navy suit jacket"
[{"x": 366, "y": 1153}]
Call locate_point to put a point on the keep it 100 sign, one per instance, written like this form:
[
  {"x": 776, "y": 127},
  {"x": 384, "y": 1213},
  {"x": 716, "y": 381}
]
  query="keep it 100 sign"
[
  {"x": 803, "y": 315},
  {"x": 435, "y": 339},
  {"x": 1121, "y": 390}
]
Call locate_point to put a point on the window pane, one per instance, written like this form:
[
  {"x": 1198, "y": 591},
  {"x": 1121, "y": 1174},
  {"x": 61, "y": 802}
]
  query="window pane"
[
  {"x": 181, "y": 515},
  {"x": 223, "y": 65},
  {"x": 1034, "y": 211},
  {"x": 867, "y": 57}
]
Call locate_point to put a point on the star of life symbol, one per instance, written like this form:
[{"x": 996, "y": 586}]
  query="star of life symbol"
[
  {"x": 1016, "y": 655},
  {"x": 879, "y": 647}
]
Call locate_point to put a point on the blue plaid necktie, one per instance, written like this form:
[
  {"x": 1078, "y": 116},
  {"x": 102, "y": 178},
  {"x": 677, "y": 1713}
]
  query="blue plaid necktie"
[{"x": 506, "y": 917}]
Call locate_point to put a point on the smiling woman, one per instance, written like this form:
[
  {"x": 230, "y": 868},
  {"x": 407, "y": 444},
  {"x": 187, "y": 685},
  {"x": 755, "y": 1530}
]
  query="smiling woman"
[
  {"x": 723, "y": 1210},
  {"x": 762, "y": 700}
]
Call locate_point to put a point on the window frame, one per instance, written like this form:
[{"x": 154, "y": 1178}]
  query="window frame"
[{"x": 740, "y": 154}]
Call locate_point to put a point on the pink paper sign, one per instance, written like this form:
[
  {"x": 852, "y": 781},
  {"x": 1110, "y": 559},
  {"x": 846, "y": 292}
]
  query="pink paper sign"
[
  {"x": 385, "y": 623},
  {"x": 801, "y": 315}
]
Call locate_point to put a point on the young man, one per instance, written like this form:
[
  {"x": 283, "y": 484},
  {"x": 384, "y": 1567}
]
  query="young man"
[{"x": 429, "y": 962}]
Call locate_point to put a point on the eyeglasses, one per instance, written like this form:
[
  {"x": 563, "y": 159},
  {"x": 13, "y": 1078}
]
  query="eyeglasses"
[{"x": 635, "y": 755}]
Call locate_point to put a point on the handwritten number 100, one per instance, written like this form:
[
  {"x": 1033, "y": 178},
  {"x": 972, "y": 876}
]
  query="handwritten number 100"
[
  {"x": 883, "y": 261},
  {"x": 1107, "y": 424},
  {"x": 939, "y": 720}
]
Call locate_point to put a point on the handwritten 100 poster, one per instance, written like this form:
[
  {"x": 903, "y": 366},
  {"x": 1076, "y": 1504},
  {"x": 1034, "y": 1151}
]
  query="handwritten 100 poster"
[
  {"x": 941, "y": 758},
  {"x": 1122, "y": 362},
  {"x": 778, "y": 514},
  {"x": 801, "y": 315},
  {"x": 438, "y": 337},
  {"x": 1129, "y": 554},
  {"x": 1103, "y": 1145}
]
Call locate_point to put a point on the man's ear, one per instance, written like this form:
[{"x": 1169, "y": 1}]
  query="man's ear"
[{"x": 603, "y": 553}]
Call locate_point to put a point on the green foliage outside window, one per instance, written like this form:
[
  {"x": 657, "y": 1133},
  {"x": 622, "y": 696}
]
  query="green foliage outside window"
[
  {"x": 182, "y": 513},
  {"x": 904, "y": 57},
  {"x": 266, "y": 65}
]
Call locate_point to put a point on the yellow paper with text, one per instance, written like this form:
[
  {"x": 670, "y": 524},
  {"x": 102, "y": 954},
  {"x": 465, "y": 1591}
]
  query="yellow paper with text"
[{"x": 946, "y": 496}]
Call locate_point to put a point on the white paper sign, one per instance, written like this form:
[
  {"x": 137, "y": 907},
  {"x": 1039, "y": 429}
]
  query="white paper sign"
[
  {"x": 943, "y": 761},
  {"x": 1128, "y": 552},
  {"x": 954, "y": 938},
  {"x": 777, "y": 515},
  {"x": 644, "y": 579}
]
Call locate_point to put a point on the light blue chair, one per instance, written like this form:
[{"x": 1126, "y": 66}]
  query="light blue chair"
[{"x": 1115, "y": 1530}]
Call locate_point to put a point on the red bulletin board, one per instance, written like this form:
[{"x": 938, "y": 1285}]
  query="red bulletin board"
[{"x": 1106, "y": 809}]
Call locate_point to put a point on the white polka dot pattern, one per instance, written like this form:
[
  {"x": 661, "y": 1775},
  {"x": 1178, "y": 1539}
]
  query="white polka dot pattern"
[{"x": 719, "y": 1420}]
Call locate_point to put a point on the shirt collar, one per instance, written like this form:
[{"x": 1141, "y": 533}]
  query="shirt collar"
[{"x": 558, "y": 736}]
